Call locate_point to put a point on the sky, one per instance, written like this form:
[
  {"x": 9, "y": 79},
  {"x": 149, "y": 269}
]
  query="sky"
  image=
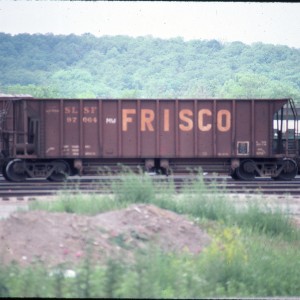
[{"x": 275, "y": 23}]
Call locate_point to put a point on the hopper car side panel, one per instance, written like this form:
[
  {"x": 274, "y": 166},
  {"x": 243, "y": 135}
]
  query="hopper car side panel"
[{"x": 158, "y": 128}]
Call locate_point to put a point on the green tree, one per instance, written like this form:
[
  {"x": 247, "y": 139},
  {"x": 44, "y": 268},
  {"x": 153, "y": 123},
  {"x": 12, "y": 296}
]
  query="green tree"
[{"x": 250, "y": 85}]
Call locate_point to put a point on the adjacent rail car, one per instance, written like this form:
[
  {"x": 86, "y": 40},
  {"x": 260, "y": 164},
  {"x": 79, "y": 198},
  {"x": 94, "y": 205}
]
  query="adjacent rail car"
[{"x": 55, "y": 138}]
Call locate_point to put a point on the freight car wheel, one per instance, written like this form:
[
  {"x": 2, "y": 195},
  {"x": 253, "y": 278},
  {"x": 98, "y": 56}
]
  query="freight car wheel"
[
  {"x": 4, "y": 172},
  {"x": 15, "y": 171},
  {"x": 289, "y": 170},
  {"x": 246, "y": 171},
  {"x": 234, "y": 175},
  {"x": 61, "y": 171}
]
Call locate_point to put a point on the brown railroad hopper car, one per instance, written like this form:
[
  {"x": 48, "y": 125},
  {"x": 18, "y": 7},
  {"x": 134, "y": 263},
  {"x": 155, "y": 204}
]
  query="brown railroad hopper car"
[{"x": 54, "y": 138}]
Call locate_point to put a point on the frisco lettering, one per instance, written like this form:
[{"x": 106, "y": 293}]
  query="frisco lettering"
[
  {"x": 89, "y": 113},
  {"x": 86, "y": 110},
  {"x": 204, "y": 120}
]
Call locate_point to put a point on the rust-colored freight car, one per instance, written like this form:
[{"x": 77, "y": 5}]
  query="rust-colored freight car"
[{"x": 52, "y": 138}]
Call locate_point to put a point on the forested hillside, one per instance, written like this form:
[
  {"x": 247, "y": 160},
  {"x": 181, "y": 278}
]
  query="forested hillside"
[{"x": 121, "y": 66}]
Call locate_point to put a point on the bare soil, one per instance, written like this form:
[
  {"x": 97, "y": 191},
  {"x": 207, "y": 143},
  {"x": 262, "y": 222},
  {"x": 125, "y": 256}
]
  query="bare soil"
[{"x": 55, "y": 238}]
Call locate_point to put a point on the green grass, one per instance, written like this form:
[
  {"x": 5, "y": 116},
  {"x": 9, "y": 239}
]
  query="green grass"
[
  {"x": 134, "y": 188},
  {"x": 254, "y": 251},
  {"x": 236, "y": 264},
  {"x": 87, "y": 204},
  {"x": 261, "y": 218}
]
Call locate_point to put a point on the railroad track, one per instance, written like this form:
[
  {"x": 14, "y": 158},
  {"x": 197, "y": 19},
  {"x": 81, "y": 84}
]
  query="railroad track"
[
  {"x": 277, "y": 194},
  {"x": 104, "y": 185}
]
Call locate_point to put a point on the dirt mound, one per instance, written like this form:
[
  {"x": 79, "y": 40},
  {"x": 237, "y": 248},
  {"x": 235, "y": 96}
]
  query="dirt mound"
[{"x": 61, "y": 237}]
